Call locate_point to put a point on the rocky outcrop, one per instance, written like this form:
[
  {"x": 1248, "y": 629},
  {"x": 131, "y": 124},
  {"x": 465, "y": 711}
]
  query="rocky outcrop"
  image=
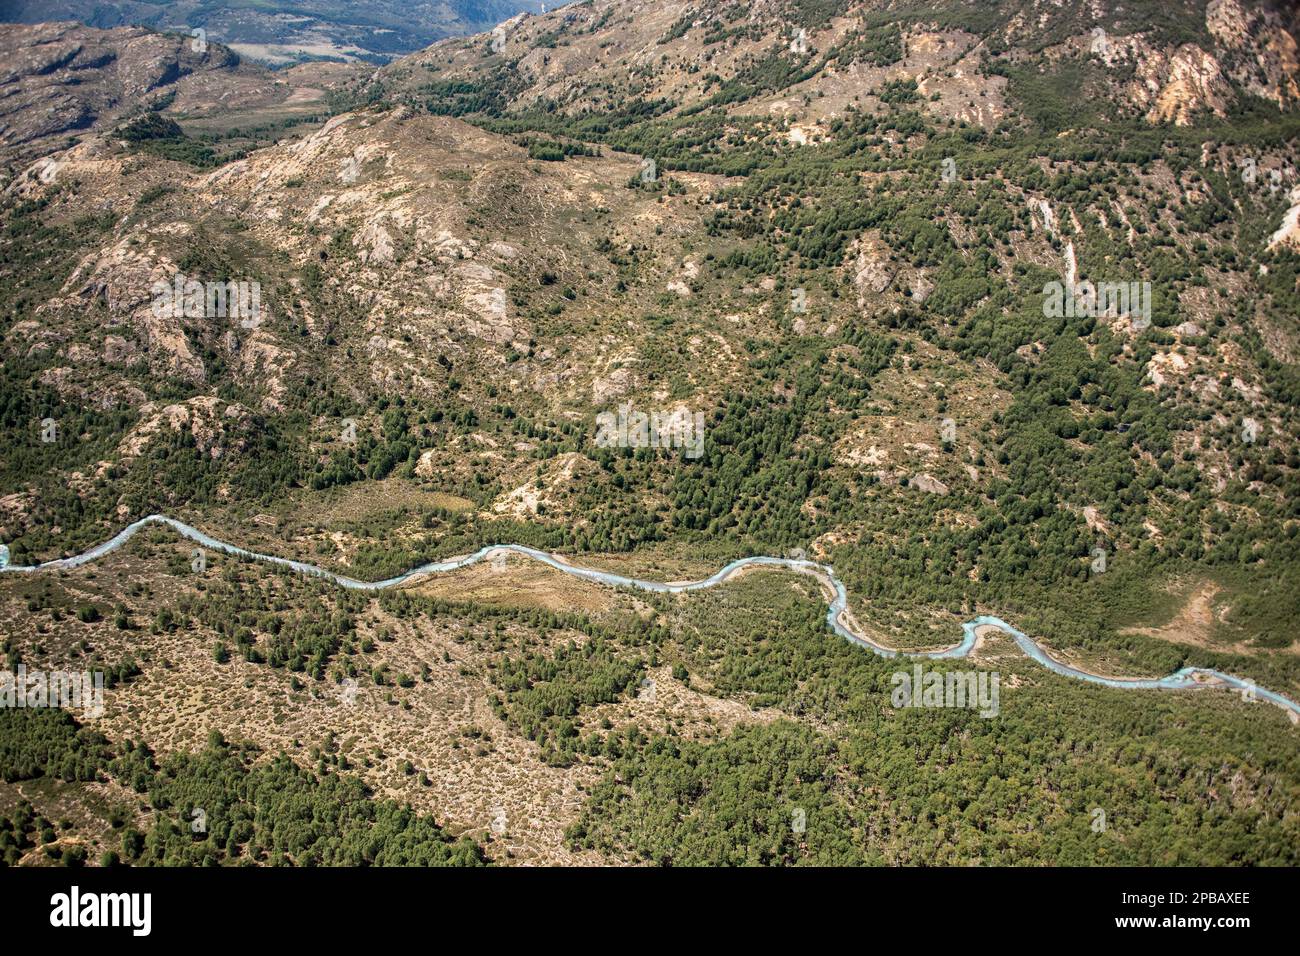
[
  {"x": 63, "y": 78},
  {"x": 212, "y": 422},
  {"x": 871, "y": 268},
  {"x": 1261, "y": 55},
  {"x": 1249, "y": 51},
  {"x": 1288, "y": 234},
  {"x": 928, "y": 483},
  {"x": 119, "y": 280},
  {"x": 1188, "y": 82}
]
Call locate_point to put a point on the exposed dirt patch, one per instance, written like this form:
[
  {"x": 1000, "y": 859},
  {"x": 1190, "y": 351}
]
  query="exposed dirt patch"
[{"x": 1195, "y": 622}]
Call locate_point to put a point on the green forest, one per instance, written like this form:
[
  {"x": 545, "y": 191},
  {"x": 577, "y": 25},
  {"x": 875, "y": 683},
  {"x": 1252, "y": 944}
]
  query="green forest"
[{"x": 249, "y": 811}]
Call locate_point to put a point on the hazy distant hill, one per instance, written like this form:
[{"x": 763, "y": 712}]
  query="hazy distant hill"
[{"x": 290, "y": 30}]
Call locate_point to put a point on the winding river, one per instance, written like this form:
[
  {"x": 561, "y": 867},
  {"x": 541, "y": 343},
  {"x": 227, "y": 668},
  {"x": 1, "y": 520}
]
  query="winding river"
[{"x": 837, "y": 616}]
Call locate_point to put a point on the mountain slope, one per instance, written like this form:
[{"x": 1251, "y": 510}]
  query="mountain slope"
[
  {"x": 994, "y": 312},
  {"x": 62, "y": 80}
]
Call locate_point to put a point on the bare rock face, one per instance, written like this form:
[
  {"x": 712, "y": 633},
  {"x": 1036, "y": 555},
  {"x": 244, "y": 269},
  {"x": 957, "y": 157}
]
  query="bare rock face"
[
  {"x": 378, "y": 181},
  {"x": 119, "y": 279},
  {"x": 1191, "y": 81},
  {"x": 211, "y": 421},
  {"x": 878, "y": 279},
  {"x": 920, "y": 287},
  {"x": 85, "y": 162},
  {"x": 483, "y": 300},
  {"x": 1262, "y": 55},
  {"x": 616, "y": 383},
  {"x": 1249, "y": 50},
  {"x": 60, "y": 78},
  {"x": 1168, "y": 85},
  {"x": 872, "y": 270},
  {"x": 928, "y": 483},
  {"x": 63, "y": 79},
  {"x": 1288, "y": 234}
]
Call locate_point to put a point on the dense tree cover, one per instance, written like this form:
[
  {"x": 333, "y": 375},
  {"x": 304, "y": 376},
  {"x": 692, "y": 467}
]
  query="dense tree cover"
[
  {"x": 163, "y": 136},
  {"x": 1196, "y": 778},
  {"x": 940, "y": 789},
  {"x": 680, "y": 803},
  {"x": 277, "y": 813},
  {"x": 707, "y": 140},
  {"x": 264, "y": 628},
  {"x": 224, "y": 805},
  {"x": 542, "y": 694},
  {"x": 48, "y": 742},
  {"x": 21, "y": 829}
]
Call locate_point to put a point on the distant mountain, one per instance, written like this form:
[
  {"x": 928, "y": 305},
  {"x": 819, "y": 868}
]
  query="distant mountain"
[
  {"x": 63, "y": 80},
  {"x": 291, "y": 30}
]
